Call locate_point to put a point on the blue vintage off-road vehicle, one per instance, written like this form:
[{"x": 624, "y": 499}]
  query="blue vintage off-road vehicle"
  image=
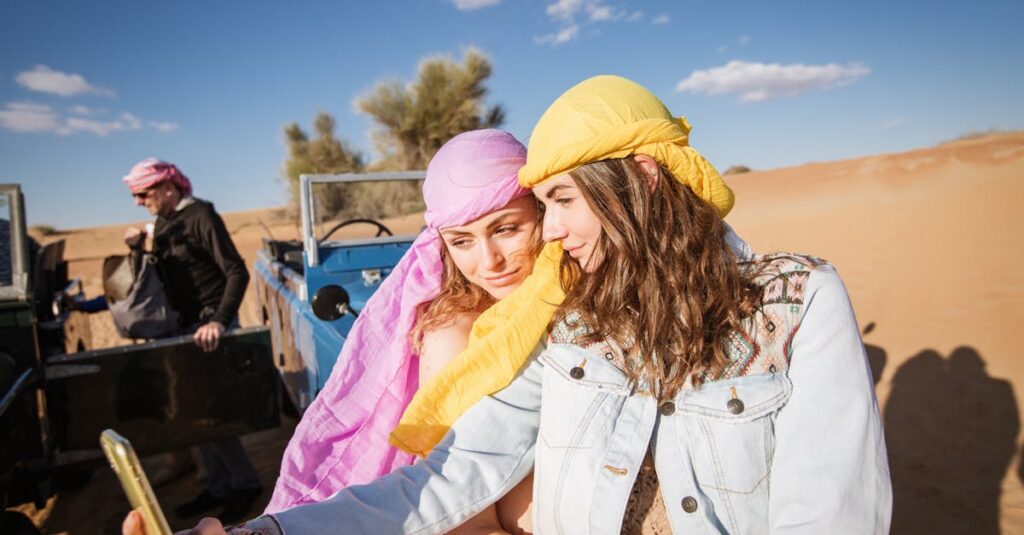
[{"x": 310, "y": 291}]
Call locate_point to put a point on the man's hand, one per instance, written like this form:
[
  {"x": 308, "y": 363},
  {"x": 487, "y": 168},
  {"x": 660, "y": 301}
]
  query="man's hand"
[
  {"x": 207, "y": 337},
  {"x": 133, "y": 237}
]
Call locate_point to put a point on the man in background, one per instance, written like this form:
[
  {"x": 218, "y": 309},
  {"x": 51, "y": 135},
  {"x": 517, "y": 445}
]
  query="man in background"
[{"x": 205, "y": 279}]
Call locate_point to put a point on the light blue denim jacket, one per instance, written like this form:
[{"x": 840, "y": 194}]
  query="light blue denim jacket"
[{"x": 804, "y": 453}]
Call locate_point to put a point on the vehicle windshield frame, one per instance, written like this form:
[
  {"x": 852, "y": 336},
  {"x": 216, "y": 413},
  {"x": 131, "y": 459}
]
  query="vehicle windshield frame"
[
  {"x": 18, "y": 290},
  {"x": 307, "y": 210}
]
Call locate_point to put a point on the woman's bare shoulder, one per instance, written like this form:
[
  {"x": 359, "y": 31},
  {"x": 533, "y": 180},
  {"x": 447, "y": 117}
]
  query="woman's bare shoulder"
[{"x": 441, "y": 344}]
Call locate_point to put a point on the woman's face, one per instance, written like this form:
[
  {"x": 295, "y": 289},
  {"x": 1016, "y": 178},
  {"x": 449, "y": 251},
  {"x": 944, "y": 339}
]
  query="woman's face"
[
  {"x": 496, "y": 252},
  {"x": 569, "y": 219}
]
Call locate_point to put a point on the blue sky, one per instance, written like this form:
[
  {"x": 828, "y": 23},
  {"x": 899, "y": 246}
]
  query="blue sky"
[{"x": 89, "y": 88}]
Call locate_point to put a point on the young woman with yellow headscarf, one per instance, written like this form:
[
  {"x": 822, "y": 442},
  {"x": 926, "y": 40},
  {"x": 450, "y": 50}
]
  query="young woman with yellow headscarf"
[{"x": 688, "y": 385}]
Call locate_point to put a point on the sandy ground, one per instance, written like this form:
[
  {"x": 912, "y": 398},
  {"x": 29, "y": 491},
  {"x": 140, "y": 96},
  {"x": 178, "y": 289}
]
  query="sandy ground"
[{"x": 929, "y": 245}]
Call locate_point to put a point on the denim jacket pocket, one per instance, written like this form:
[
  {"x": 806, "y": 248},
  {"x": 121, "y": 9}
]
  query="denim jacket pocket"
[
  {"x": 730, "y": 429},
  {"x": 579, "y": 393}
]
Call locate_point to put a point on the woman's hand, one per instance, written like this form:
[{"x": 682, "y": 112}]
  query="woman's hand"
[
  {"x": 206, "y": 526},
  {"x": 133, "y": 525}
]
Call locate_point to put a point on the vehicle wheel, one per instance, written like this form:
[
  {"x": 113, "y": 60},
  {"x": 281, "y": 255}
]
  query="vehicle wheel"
[{"x": 15, "y": 523}]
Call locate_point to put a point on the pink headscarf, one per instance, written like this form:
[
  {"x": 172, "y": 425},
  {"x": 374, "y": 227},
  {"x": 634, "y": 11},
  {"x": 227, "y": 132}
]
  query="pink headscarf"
[
  {"x": 151, "y": 171},
  {"x": 343, "y": 436}
]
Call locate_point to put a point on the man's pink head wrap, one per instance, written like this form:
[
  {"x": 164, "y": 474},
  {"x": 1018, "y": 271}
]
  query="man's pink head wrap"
[
  {"x": 343, "y": 436},
  {"x": 151, "y": 172}
]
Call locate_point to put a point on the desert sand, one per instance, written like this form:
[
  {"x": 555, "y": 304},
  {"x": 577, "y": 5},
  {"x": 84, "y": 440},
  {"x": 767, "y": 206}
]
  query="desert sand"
[{"x": 929, "y": 246}]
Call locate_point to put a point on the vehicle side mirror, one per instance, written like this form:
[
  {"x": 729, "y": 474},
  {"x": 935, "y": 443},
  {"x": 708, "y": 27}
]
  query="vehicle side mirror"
[{"x": 332, "y": 302}]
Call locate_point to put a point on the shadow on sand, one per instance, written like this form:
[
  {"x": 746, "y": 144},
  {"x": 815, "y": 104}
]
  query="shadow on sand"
[
  {"x": 1020, "y": 465},
  {"x": 876, "y": 356},
  {"x": 951, "y": 431}
]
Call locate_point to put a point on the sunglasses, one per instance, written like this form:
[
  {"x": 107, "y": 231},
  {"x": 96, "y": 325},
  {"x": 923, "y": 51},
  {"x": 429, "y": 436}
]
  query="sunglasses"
[{"x": 143, "y": 194}]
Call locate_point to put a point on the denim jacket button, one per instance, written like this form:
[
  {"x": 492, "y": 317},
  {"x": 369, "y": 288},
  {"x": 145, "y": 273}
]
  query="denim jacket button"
[
  {"x": 735, "y": 406},
  {"x": 689, "y": 504},
  {"x": 667, "y": 409},
  {"x": 576, "y": 373}
]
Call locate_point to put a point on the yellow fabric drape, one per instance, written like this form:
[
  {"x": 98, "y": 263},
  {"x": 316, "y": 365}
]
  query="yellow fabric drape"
[
  {"x": 499, "y": 343},
  {"x": 601, "y": 118}
]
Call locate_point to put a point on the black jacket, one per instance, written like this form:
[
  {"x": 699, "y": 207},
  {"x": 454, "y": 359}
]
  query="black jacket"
[{"x": 203, "y": 274}]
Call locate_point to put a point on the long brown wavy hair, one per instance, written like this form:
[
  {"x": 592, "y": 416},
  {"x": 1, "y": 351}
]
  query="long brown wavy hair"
[{"x": 668, "y": 290}]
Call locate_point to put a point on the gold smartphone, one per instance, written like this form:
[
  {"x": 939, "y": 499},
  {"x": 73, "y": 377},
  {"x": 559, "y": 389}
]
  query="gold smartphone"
[{"x": 133, "y": 480}]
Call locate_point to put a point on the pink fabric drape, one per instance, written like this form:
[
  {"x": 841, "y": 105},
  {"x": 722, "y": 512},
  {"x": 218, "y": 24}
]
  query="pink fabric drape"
[{"x": 343, "y": 436}]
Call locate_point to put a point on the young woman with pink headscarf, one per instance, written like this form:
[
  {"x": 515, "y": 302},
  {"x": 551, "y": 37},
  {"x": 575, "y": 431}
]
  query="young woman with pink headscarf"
[
  {"x": 480, "y": 241},
  {"x": 481, "y": 237}
]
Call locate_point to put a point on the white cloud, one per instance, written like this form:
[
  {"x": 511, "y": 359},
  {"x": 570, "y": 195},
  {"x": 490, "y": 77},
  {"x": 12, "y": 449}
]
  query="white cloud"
[
  {"x": 565, "y": 10},
  {"x": 661, "y": 19},
  {"x": 86, "y": 111},
  {"x": 130, "y": 121},
  {"x": 573, "y": 15},
  {"x": 78, "y": 124},
  {"x": 893, "y": 123},
  {"x": 563, "y": 36},
  {"x": 126, "y": 121},
  {"x": 470, "y": 5},
  {"x": 598, "y": 13},
  {"x": 756, "y": 82},
  {"x": 163, "y": 126},
  {"x": 29, "y": 117},
  {"x": 46, "y": 80},
  {"x": 744, "y": 40}
]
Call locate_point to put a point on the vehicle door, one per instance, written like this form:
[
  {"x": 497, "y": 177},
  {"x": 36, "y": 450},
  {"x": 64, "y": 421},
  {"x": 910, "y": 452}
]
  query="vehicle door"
[{"x": 162, "y": 395}]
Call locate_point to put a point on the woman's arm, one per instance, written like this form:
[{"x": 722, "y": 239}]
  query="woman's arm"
[
  {"x": 439, "y": 347},
  {"x": 487, "y": 452},
  {"x": 830, "y": 473}
]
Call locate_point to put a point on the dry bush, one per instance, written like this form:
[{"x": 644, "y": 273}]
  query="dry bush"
[
  {"x": 43, "y": 230},
  {"x": 736, "y": 170},
  {"x": 977, "y": 134},
  {"x": 374, "y": 200}
]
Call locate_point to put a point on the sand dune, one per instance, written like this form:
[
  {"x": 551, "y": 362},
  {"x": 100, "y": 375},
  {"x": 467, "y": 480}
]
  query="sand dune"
[{"x": 929, "y": 245}]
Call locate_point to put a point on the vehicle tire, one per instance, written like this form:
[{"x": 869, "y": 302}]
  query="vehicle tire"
[{"x": 15, "y": 523}]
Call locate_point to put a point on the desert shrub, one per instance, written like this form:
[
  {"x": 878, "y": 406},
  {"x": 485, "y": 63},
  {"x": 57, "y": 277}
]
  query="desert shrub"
[
  {"x": 323, "y": 154},
  {"x": 736, "y": 170},
  {"x": 375, "y": 200},
  {"x": 415, "y": 119},
  {"x": 43, "y": 230},
  {"x": 977, "y": 134}
]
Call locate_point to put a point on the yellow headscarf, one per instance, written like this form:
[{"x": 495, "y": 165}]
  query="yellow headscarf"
[
  {"x": 607, "y": 117},
  {"x": 601, "y": 118}
]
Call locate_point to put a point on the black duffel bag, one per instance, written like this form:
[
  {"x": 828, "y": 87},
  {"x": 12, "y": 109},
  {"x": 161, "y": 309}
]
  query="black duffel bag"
[{"x": 136, "y": 297}]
